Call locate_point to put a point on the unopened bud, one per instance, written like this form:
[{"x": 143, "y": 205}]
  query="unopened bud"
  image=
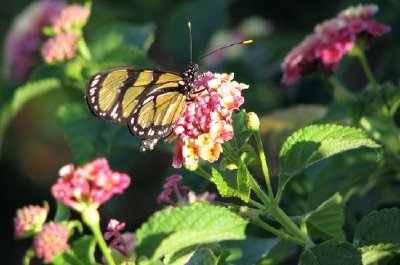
[{"x": 252, "y": 121}]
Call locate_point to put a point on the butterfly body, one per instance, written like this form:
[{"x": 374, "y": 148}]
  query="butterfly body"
[{"x": 148, "y": 101}]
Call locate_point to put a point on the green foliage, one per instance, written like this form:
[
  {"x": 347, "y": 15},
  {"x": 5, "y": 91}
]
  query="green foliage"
[
  {"x": 90, "y": 137},
  {"x": 63, "y": 213},
  {"x": 331, "y": 253},
  {"x": 84, "y": 249},
  {"x": 202, "y": 256},
  {"x": 171, "y": 230},
  {"x": 327, "y": 219},
  {"x": 318, "y": 142}
]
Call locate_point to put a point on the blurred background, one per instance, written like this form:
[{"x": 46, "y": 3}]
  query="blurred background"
[{"x": 35, "y": 145}]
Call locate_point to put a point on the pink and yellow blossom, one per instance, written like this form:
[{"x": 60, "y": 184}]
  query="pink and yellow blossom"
[
  {"x": 70, "y": 17},
  {"x": 330, "y": 41},
  {"x": 207, "y": 121},
  {"x": 29, "y": 220},
  {"x": 60, "y": 48},
  {"x": 88, "y": 186},
  {"x": 51, "y": 241}
]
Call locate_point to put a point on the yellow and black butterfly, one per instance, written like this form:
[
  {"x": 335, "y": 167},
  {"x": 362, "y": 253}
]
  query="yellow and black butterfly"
[{"x": 149, "y": 101}]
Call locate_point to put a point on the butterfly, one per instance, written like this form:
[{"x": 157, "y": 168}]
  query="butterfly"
[{"x": 149, "y": 101}]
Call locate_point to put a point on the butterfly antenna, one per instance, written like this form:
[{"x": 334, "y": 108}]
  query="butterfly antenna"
[
  {"x": 227, "y": 46},
  {"x": 190, "y": 41}
]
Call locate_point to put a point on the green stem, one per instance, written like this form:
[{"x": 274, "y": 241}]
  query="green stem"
[
  {"x": 359, "y": 52},
  {"x": 83, "y": 49},
  {"x": 278, "y": 232},
  {"x": 260, "y": 193},
  {"x": 29, "y": 254},
  {"x": 202, "y": 173},
  {"x": 263, "y": 160},
  {"x": 256, "y": 204},
  {"x": 92, "y": 219},
  {"x": 289, "y": 225}
]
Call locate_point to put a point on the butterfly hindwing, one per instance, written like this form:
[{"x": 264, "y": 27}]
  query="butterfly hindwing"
[{"x": 149, "y": 101}]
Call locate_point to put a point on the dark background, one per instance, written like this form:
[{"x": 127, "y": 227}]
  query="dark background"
[{"x": 35, "y": 147}]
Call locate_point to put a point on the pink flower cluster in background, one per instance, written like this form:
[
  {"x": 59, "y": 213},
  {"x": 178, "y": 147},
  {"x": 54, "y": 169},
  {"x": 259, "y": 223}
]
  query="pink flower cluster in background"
[
  {"x": 183, "y": 194},
  {"x": 24, "y": 38},
  {"x": 66, "y": 26},
  {"x": 52, "y": 240},
  {"x": 330, "y": 41},
  {"x": 29, "y": 219},
  {"x": 123, "y": 243},
  {"x": 89, "y": 185},
  {"x": 207, "y": 120}
]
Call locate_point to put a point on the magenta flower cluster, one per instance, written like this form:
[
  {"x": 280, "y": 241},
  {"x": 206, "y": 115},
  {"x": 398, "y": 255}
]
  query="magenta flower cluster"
[
  {"x": 330, "y": 41},
  {"x": 207, "y": 120},
  {"x": 183, "y": 194},
  {"x": 89, "y": 185}
]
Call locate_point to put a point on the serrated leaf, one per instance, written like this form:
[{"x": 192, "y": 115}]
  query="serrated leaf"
[
  {"x": 249, "y": 250},
  {"x": 375, "y": 253},
  {"x": 84, "y": 249},
  {"x": 331, "y": 253},
  {"x": 242, "y": 132},
  {"x": 327, "y": 219},
  {"x": 202, "y": 256},
  {"x": 115, "y": 36},
  {"x": 232, "y": 185},
  {"x": 174, "y": 229},
  {"x": 21, "y": 96},
  {"x": 317, "y": 142},
  {"x": 194, "y": 11},
  {"x": 378, "y": 227},
  {"x": 90, "y": 137}
]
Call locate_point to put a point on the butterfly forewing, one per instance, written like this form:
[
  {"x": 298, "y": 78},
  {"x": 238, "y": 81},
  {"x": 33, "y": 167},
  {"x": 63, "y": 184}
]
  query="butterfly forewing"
[{"x": 149, "y": 101}]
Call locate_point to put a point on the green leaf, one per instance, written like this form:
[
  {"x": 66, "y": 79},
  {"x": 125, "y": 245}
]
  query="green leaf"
[
  {"x": 84, "y": 249},
  {"x": 232, "y": 185},
  {"x": 317, "y": 142},
  {"x": 378, "y": 227},
  {"x": 115, "y": 36},
  {"x": 174, "y": 229},
  {"x": 249, "y": 250},
  {"x": 331, "y": 253},
  {"x": 280, "y": 252},
  {"x": 63, "y": 213},
  {"x": 90, "y": 137},
  {"x": 202, "y": 256},
  {"x": 377, "y": 253},
  {"x": 242, "y": 132},
  {"x": 328, "y": 219},
  {"x": 21, "y": 96},
  {"x": 125, "y": 56},
  {"x": 176, "y": 36}
]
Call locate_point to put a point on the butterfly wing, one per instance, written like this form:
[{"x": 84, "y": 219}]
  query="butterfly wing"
[{"x": 149, "y": 101}]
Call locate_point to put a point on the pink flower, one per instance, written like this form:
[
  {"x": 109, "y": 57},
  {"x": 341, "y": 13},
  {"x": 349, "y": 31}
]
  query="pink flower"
[
  {"x": 123, "y": 243},
  {"x": 71, "y": 16},
  {"x": 206, "y": 122},
  {"x": 24, "y": 38},
  {"x": 90, "y": 185},
  {"x": 52, "y": 240},
  {"x": 29, "y": 220},
  {"x": 330, "y": 41},
  {"x": 59, "y": 48},
  {"x": 182, "y": 194}
]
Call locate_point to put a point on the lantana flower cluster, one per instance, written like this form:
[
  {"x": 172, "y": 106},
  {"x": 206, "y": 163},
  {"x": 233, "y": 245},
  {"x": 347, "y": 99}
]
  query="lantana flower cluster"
[
  {"x": 88, "y": 186},
  {"x": 183, "y": 194},
  {"x": 330, "y": 41},
  {"x": 51, "y": 241},
  {"x": 207, "y": 120},
  {"x": 66, "y": 26},
  {"x": 24, "y": 38},
  {"x": 29, "y": 220}
]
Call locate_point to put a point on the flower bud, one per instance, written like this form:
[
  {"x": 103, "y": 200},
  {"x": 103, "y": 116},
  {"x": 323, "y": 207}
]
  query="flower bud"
[{"x": 253, "y": 122}]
